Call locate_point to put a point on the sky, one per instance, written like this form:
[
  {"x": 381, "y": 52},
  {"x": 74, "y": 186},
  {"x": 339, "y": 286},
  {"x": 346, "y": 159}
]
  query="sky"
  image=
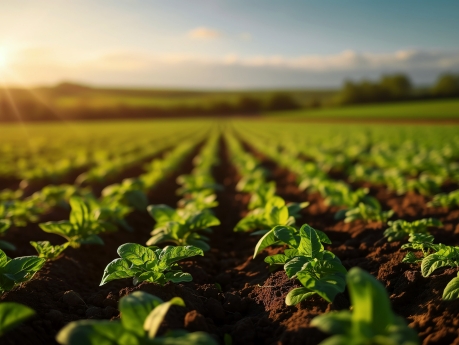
[{"x": 225, "y": 44}]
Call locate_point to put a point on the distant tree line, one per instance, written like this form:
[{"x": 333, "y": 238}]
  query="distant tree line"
[
  {"x": 32, "y": 110},
  {"x": 396, "y": 87}
]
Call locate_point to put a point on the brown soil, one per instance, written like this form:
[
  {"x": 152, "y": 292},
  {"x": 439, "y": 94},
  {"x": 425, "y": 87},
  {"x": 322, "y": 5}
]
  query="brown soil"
[{"x": 250, "y": 304}]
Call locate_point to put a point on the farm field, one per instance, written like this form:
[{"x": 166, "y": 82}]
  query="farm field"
[
  {"x": 415, "y": 110},
  {"x": 268, "y": 219}
]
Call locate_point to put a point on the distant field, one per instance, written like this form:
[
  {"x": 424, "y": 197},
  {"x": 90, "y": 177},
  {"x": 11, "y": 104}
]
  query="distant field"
[
  {"x": 66, "y": 96},
  {"x": 432, "y": 109}
]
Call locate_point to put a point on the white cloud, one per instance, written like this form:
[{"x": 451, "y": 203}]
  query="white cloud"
[{"x": 203, "y": 33}]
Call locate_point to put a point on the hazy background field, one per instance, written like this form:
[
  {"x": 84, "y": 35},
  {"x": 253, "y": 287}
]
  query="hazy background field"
[{"x": 291, "y": 60}]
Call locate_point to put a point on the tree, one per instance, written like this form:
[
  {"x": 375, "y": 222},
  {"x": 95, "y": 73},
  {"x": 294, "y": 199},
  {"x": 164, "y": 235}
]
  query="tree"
[{"x": 447, "y": 85}]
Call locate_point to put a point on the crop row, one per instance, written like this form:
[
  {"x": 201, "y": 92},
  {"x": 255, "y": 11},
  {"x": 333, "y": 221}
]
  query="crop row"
[{"x": 302, "y": 251}]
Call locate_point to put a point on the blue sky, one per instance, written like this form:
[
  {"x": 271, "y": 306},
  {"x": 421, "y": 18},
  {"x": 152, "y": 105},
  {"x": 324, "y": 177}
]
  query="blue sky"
[{"x": 225, "y": 44}]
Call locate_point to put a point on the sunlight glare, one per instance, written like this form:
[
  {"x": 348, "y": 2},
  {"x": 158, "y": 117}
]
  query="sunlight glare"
[{"x": 3, "y": 58}]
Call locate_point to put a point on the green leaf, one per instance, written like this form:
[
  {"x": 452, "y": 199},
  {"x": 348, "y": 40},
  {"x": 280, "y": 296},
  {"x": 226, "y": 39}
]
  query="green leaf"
[
  {"x": 327, "y": 286},
  {"x": 135, "y": 308},
  {"x": 323, "y": 237},
  {"x": 431, "y": 262},
  {"x": 297, "y": 295},
  {"x": 249, "y": 222},
  {"x": 171, "y": 254},
  {"x": 310, "y": 243},
  {"x": 150, "y": 276},
  {"x": 95, "y": 332},
  {"x": 179, "y": 277},
  {"x": 410, "y": 258},
  {"x": 267, "y": 240},
  {"x": 4, "y": 225},
  {"x": 195, "y": 338},
  {"x": 371, "y": 304},
  {"x": 203, "y": 220},
  {"x": 278, "y": 215},
  {"x": 162, "y": 213},
  {"x": 23, "y": 268},
  {"x": 63, "y": 228},
  {"x": 295, "y": 265},
  {"x": 451, "y": 290},
  {"x": 338, "y": 322},
  {"x": 156, "y": 316},
  {"x": 91, "y": 239},
  {"x": 199, "y": 244},
  {"x": 7, "y": 245},
  {"x": 80, "y": 214},
  {"x": 288, "y": 235},
  {"x": 12, "y": 314},
  {"x": 278, "y": 259},
  {"x": 3, "y": 258},
  {"x": 136, "y": 254},
  {"x": 117, "y": 269}
]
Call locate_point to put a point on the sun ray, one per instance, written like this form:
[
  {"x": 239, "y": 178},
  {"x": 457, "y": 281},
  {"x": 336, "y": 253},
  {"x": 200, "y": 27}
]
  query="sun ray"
[{"x": 16, "y": 80}]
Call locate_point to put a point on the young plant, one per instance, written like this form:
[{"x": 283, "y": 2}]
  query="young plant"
[
  {"x": 318, "y": 270},
  {"x": 275, "y": 212},
  {"x": 198, "y": 201},
  {"x": 181, "y": 226},
  {"x": 12, "y": 314},
  {"x": 47, "y": 251},
  {"x": 20, "y": 212},
  {"x": 400, "y": 229},
  {"x": 367, "y": 212},
  {"x": 18, "y": 270},
  {"x": 150, "y": 264},
  {"x": 83, "y": 226},
  {"x": 423, "y": 242},
  {"x": 195, "y": 183},
  {"x": 56, "y": 195},
  {"x": 434, "y": 256},
  {"x": 141, "y": 317},
  {"x": 128, "y": 193},
  {"x": 371, "y": 320},
  {"x": 445, "y": 200}
]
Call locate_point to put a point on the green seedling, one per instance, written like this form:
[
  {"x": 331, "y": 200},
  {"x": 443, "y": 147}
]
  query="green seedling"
[
  {"x": 47, "y": 251},
  {"x": 196, "y": 183},
  {"x": 366, "y": 212},
  {"x": 150, "y": 264},
  {"x": 275, "y": 212},
  {"x": 445, "y": 200},
  {"x": 12, "y": 314},
  {"x": 83, "y": 227},
  {"x": 128, "y": 193},
  {"x": 18, "y": 270},
  {"x": 371, "y": 320},
  {"x": 198, "y": 201},
  {"x": 435, "y": 256},
  {"x": 141, "y": 317},
  {"x": 400, "y": 229},
  {"x": 181, "y": 226},
  {"x": 318, "y": 270}
]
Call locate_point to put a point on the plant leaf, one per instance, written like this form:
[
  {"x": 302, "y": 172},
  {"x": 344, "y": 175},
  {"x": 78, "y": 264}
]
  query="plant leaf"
[
  {"x": 171, "y": 254},
  {"x": 451, "y": 290},
  {"x": 268, "y": 239},
  {"x": 12, "y": 314},
  {"x": 156, "y": 316},
  {"x": 297, "y": 295},
  {"x": 136, "y": 254},
  {"x": 117, "y": 269},
  {"x": 135, "y": 308}
]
